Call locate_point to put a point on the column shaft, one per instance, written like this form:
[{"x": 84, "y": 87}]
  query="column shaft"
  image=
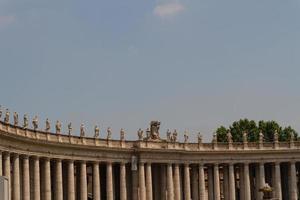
[
  {"x": 6, "y": 171},
  {"x": 210, "y": 183},
  {"x": 16, "y": 177},
  {"x": 177, "y": 191},
  {"x": 293, "y": 181},
  {"x": 109, "y": 181},
  {"x": 201, "y": 182},
  {"x": 195, "y": 182},
  {"x": 277, "y": 181},
  {"x": 231, "y": 182},
  {"x": 36, "y": 179},
  {"x": 261, "y": 178},
  {"x": 247, "y": 182},
  {"x": 142, "y": 182},
  {"x": 1, "y": 173},
  {"x": 47, "y": 181},
  {"x": 59, "y": 183},
  {"x": 170, "y": 184},
  {"x": 26, "y": 179},
  {"x": 187, "y": 182},
  {"x": 71, "y": 179},
  {"x": 83, "y": 181},
  {"x": 216, "y": 182},
  {"x": 149, "y": 181},
  {"x": 123, "y": 189},
  {"x": 96, "y": 181}
]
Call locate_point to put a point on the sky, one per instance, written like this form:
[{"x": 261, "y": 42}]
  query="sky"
[{"x": 192, "y": 64}]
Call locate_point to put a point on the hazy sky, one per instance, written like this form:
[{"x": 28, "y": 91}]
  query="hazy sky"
[{"x": 192, "y": 64}]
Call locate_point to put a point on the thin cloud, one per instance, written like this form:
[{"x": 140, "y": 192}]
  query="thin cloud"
[
  {"x": 6, "y": 20},
  {"x": 168, "y": 9}
]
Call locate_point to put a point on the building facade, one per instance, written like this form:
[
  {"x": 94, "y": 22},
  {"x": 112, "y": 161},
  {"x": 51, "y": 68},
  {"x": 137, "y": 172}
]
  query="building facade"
[{"x": 45, "y": 166}]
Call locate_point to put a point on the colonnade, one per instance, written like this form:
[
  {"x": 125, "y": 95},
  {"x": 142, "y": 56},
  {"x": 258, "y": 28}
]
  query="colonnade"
[{"x": 37, "y": 178}]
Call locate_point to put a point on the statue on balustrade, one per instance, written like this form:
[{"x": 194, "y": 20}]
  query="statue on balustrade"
[
  {"x": 229, "y": 137},
  {"x": 245, "y": 137},
  {"x": 261, "y": 137},
  {"x": 215, "y": 138},
  {"x": 25, "y": 121},
  {"x": 199, "y": 138},
  {"x": 154, "y": 130},
  {"x": 122, "y": 134},
  {"x": 35, "y": 123},
  {"x": 186, "y": 137},
  {"x": 97, "y": 131},
  {"x": 108, "y": 133},
  {"x": 82, "y": 132},
  {"x": 147, "y": 133},
  {"x": 70, "y": 128},
  {"x": 169, "y": 135},
  {"x": 276, "y": 136},
  {"x": 58, "y": 127},
  {"x": 140, "y": 134},
  {"x": 47, "y": 129},
  {"x": 0, "y": 112},
  {"x": 16, "y": 119},
  {"x": 292, "y": 137},
  {"x": 6, "y": 118},
  {"x": 174, "y": 136}
]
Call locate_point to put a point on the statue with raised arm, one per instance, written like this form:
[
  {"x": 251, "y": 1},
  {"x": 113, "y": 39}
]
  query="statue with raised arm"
[
  {"x": 16, "y": 119},
  {"x": 140, "y": 134},
  {"x": 108, "y": 133},
  {"x": 47, "y": 129},
  {"x": 122, "y": 134},
  {"x": 82, "y": 132},
  {"x": 174, "y": 136},
  {"x": 6, "y": 118},
  {"x": 70, "y": 128},
  {"x": 58, "y": 127},
  {"x": 199, "y": 138},
  {"x": 186, "y": 136},
  {"x": 169, "y": 135},
  {"x": 229, "y": 137},
  {"x": 25, "y": 122},
  {"x": 35, "y": 123},
  {"x": 97, "y": 131}
]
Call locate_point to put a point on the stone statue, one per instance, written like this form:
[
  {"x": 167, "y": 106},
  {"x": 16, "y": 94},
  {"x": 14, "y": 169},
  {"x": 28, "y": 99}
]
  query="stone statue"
[
  {"x": 154, "y": 130},
  {"x": 261, "y": 137},
  {"x": 174, "y": 136},
  {"x": 276, "y": 136},
  {"x": 122, "y": 134},
  {"x": 82, "y": 132},
  {"x": 186, "y": 137},
  {"x": 199, "y": 138},
  {"x": 229, "y": 137},
  {"x": 25, "y": 123},
  {"x": 47, "y": 129},
  {"x": 0, "y": 111},
  {"x": 97, "y": 131},
  {"x": 70, "y": 128},
  {"x": 245, "y": 137},
  {"x": 215, "y": 138},
  {"x": 140, "y": 134},
  {"x": 148, "y": 132},
  {"x": 108, "y": 133},
  {"x": 58, "y": 127},
  {"x": 35, "y": 123},
  {"x": 292, "y": 137},
  {"x": 6, "y": 118},
  {"x": 16, "y": 119},
  {"x": 168, "y": 135}
]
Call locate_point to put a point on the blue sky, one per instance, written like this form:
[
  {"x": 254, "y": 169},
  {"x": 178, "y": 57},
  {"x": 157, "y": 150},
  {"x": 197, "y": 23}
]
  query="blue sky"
[{"x": 192, "y": 64}]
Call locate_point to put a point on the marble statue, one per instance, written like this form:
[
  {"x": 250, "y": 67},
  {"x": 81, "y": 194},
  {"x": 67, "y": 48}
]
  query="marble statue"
[
  {"x": 70, "y": 128},
  {"x": 186, "y": 137},
  {"x": 58, "y": 127},
  {"x": 0, "y": 111},
  {"x": 140, "y": 134},
  {"x": 276, "y": 136},
  {"x": 47, "y": 129},
  {"x": 122, "y": 134},
  {"x": 292, "y": 137},
  {"x": 245, "y": 137},
  {"x": 25, "y": 122},
  {"x": 154, "y": 130},
  {"x": 148, "y": 132},
  {"x": 199, "y": 138},
  {"x": 215, "y": 138},
  {"x": 261, "y": 137},
  {"x": 6, "y": 118},
  {"x": 174, "y": 136},
  {"x": 82, "y": 132},
  {"x": 35, "y": 123},
  {"x": 97, "y": 131},
  {"x": 229, "y": 137},
  {"x": 16, "y": 119},
  {"x": 108, "y": 133},
  {"x": 168, "y": 135}
]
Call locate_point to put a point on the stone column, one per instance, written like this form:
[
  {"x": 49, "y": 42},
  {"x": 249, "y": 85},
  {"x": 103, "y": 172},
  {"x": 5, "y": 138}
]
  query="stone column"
[
  {"x": 142, "y": 181},
  {"x": 109, "y": 181},
  {"x": 201, "y": 182},
  {"x": 177, "y": 192},
  {"x": 231, "y": 182},
  {"x": 195, "y": 182},
  {"x": 59, "y": 183},
  {"x": 6, "y": 171},
  {"x": 149, "y": 182},
  {"x": 83, "y": 181},
  {"x": 170, "y": 183},
  {"x": 277, "y": 181},
  {"x": 247, "y": 182},
  {"x": 71, "y": 181},
  {"x": 216, "y": 182},
  {"x": 293, "y": 181},
  {"x": 210, "y": 183},
  {"x": 261, "y": 178},
  {"x": 16, "y": 177},
  {"x": 225, "y": 182},
  {"x": 96, "y": 181},
  {"x": 123, "y": 189},
  {"x": 26, "y": 179},
  {"x": 187, "y": 185},
  {"x": 36, "y": 179},
  {"x": 47, "y": 181},
  {"x": 1, "y": 163}
]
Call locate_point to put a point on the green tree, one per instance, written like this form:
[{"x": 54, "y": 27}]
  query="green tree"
[{"x": 222, "y": 134}]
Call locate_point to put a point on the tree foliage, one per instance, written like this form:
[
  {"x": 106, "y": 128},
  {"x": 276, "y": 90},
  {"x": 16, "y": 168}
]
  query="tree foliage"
[{"x": 253, "y": 129}]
